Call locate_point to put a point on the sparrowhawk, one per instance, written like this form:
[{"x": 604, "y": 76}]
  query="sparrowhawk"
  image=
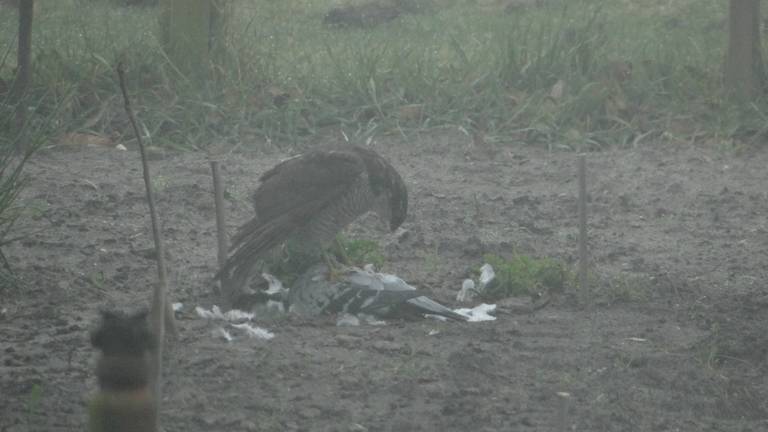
[{"x": 308, "y": 199}]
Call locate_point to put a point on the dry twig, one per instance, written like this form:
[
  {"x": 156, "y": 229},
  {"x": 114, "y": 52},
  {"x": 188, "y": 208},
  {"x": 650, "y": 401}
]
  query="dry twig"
[{"x": 161, "y": 315}]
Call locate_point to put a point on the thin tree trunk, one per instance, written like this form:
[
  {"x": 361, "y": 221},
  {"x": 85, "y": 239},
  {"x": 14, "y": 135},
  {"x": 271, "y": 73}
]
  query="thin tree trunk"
[
  {"x": 24, "y": 62},
  {"x": 184, "y": 33},
  {"x": 744, "y": 69}
]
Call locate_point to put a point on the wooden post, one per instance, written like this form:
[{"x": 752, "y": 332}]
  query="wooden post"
[
  {"x": 583, "y": 265},
  {"x": 221, "y": 233}
]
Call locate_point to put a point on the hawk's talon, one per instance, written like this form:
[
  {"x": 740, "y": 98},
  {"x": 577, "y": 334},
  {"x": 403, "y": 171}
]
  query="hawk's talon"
[{"x": 335, "y": 270}]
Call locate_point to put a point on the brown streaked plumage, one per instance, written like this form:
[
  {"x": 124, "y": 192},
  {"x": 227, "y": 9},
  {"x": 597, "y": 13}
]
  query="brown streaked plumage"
[{"x": 310, "y": 198}]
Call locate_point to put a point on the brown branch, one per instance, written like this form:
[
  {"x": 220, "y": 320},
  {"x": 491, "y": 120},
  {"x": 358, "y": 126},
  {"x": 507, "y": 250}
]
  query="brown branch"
[{"x": 161, "y": 315}]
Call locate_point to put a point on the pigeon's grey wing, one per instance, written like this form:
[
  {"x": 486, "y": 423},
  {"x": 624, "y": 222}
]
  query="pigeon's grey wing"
[
  {"x": 398, "y": 296},
  {"x": 426, "y": 305},
  {"x": 355, "y": 292},
  {"x": 380, "y": 302},
  {"x": 358, "y": 291}
]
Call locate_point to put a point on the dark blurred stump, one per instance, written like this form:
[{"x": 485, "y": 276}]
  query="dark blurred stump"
[
  {"x": 124, "y": 402},
  {"x": 361, "y": 16}
]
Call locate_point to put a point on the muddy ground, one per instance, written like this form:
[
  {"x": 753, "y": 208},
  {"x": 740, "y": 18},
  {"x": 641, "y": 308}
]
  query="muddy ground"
[{"x": 671, "y": 336}]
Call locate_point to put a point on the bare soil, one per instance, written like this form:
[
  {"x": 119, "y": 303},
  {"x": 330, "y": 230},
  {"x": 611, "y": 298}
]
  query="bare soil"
[{"x": 672, "y": 336}]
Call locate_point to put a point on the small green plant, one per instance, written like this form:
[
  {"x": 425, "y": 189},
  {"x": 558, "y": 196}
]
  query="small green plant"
[
  {"x": 34, "y": 401},
  {"x": 17, "y": 146},
  {"x": 97, "y": 279},
  {"x": 523, "y": 275},
  {"x": 293, "y": 259},
  {"x": 624, "y": 288},
  {"x": 360, "y": 252}
]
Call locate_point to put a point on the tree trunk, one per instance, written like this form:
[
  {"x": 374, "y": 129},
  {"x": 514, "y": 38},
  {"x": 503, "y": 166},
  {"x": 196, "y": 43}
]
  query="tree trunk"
[
  {"x": 744, "y": 69},
  {"x": 185, "y": 32},
  {"x": 24, "y": 62}
]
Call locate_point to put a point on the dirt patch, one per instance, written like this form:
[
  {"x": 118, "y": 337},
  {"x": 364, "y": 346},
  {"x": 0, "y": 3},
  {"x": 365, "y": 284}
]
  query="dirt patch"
[{"x": 671, "y": 338}]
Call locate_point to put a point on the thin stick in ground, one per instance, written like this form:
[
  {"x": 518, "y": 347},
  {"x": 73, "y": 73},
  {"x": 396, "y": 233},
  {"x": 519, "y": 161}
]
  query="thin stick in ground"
[
  {"x": 583, "y": 256},
  {"x": 161, "y": 313},
  {"x": 221, "y": 231}
]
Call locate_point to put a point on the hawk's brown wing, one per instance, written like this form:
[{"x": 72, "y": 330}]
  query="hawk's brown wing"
[
  {"x": 290, "y": 194},
  {"x": 308, "y": 181}
]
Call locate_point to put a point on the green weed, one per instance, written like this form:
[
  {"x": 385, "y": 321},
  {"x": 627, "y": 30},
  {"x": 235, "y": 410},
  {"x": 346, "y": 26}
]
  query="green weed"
[
  {"x": 360, "y": 252},
  {"x": 622, "y": 288},
  {"x": 524, "y": 276}
]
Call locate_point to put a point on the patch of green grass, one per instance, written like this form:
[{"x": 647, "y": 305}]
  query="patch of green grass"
[
  {"x": 621, "y": 288},
  {"x": 286, "y": 77},
  {"x": 360, "y": 252},
  {"x": 523, "y": 275},
  {"x": 294, "y": 260},
  {"x": 607, "y": 288},
  {"x": 34, "y": 401},
  {"x": 18, "y": 143}
]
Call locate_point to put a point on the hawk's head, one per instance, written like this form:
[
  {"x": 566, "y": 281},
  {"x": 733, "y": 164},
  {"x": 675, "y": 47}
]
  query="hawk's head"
[
  {"x": 388, "y": 187},
  {"x": 396, "y": 202}
]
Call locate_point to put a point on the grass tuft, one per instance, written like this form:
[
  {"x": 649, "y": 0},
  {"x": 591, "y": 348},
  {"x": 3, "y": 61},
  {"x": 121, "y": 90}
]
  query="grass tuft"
[{"x": 523, "y": 276}]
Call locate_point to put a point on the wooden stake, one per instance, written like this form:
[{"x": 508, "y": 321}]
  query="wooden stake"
[
  {"x": 221, "y": 231},
  {"x": 583, "y": 265}
]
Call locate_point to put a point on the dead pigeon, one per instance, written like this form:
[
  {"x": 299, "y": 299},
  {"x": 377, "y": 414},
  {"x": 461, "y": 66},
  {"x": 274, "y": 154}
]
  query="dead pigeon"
[{"x": 358, "y": 291}]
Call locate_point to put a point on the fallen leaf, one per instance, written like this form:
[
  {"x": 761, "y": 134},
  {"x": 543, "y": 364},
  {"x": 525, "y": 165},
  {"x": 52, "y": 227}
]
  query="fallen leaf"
[
  {"x": 413, "y": 112},
  {"x": 557, "y": 91},
  {"x": 85, "y": 139}
]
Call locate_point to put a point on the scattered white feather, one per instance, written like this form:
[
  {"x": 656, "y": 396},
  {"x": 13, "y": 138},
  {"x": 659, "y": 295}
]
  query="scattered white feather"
[
  {"x": 275, "y": 285},
  {"x": 433, "y": 332},
  {"x": 487, "y": 275},
  {"x": 121, "y": 147},
  {"x": 276, "y": 306},
  {"x": 237, "y": 315},
  {"x": 219, "y": 332},
  {"x": 467, "y": 291},
  {"x": 254, "y": 332},
  {"x": 230, "y": 315},
  {"x": 478, "y": 313},
  {"x": 237, "y": 319},
  {"x": 347, "y": 320},
  {"x": 354, "y": 320},
  {"x": 209, "y": 314},
  {"x": 371, "y": 320}
]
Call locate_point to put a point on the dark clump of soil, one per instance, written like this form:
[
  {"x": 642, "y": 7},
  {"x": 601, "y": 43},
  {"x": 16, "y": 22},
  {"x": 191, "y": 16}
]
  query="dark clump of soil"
[{"x": 671, "y": 336}]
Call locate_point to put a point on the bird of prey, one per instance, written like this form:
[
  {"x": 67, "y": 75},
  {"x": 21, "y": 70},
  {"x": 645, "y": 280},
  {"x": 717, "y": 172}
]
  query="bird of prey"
[{"x": 308, "y": 199}]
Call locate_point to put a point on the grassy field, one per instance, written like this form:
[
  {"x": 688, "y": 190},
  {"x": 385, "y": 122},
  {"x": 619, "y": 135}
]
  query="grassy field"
[{"x": 555, "y": 75}]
